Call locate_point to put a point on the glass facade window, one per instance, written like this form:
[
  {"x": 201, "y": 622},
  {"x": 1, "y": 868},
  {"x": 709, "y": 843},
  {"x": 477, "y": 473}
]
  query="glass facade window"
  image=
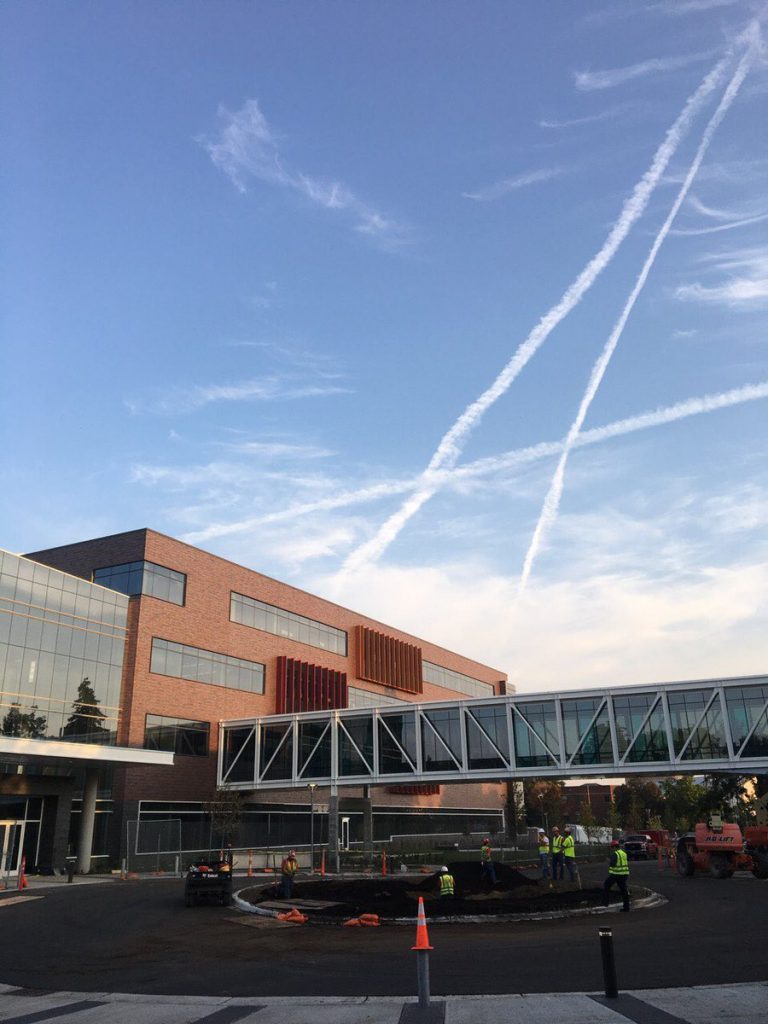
[
  {"x": 250, "y": 612},
  {"x": 587, "y": 732},
  {"x": 144, "y": 578},
  {"x": 451, "y": 680},
  {"x": 62, "y": 642},
  {"x": 314, "y": 750},
  {"x": 358, "y": 698},
  {"x": 536, "y": 734},
  {"x": 356, "y": 745},
  {"x": 397, "y": 743},
  {"x": 177, "y": 735},
  {"x": 171, "y": 659}
]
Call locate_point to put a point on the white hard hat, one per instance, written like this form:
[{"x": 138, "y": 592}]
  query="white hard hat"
[{"x": 444, "y": 868}]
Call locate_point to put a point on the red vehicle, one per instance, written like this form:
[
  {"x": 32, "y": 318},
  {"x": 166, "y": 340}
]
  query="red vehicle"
[
  {"x": 640, "y": 846},
  {"x": 720, "y": 848}
]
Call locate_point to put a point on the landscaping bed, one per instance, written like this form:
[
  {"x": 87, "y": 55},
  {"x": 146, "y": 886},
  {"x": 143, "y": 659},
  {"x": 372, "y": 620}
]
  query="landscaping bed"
[{"x": 396, "y": 896}]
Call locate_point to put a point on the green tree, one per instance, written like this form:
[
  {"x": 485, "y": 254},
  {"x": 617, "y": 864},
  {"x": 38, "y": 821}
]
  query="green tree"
[
  {"x": 637, "y": 801},
  {"x": 85, "y": 722},
  {"x": 683, "y": 802},
  {"x": 544, "y": 797},
  {"x": 27, "y": 725},
  {"x": 587, "y": 820},
  {"x": 514, "y": 807},
  {"x": 226, "y": 811}
]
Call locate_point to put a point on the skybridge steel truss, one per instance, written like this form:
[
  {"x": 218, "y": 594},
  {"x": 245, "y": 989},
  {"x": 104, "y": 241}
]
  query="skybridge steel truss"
[{"x": 690, "y": 727}]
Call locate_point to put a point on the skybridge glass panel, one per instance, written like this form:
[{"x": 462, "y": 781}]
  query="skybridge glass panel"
[
  {"x": 587, "y": 733},
  {"x": 276, "y": 752},
  {"x": 239, "y": 755},
  {"x": 757, "y": 744},
  {"x": 745, "y": 705},
  {"x": 542, "y": 718},
  {"x": 685, "y": 709},
  {"x": 314, "y": 749},
  {"x": 441, "y": 738},
  {"x": 650, "y": 744},
  {"x": 530, "y": 751},
  {"x": 355, "y": 746},
  {"x": 630, "y": 713},
  {"x": 487, "y": 737},
  {"x": 397, "y": 744},
  {"x": 708, "y": 740}
]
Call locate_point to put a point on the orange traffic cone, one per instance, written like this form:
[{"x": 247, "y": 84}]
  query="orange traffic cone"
[
  {"x": 322, "y": 865},
  {"x": 383, "y": 863},
  {"x": 23, "y": 883},
  {"x": 250, "y": 864},
  {"x": 422, "y": 937}
]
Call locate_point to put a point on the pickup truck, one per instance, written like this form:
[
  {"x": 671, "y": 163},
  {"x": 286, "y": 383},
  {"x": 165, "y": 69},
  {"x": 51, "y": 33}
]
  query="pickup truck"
[{"x": 639, "y": 846}]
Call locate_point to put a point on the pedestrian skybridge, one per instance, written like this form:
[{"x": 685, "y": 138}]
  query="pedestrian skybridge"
[{"x": 691, "y": 727}]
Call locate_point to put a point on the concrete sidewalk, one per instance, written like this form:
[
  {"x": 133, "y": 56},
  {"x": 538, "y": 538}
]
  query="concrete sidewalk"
[{"x": 740, "y": 1004}]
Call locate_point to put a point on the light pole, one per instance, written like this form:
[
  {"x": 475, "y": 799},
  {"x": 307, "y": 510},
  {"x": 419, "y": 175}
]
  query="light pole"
[
  {"x": 541, "y": 809},
  {"x": 312, "y": 787}
]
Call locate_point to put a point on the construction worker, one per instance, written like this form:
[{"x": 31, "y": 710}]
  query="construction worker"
[
  {"x": 618, "y": 874},
  {"x": 288, "y": 868},
  {"x": 544, "y": 853},
  {"x": 557, "y": 854},
  {"x": 447, "y": 884},
  {"x": 569, "y": 854},
  {"x": 486, "y": 861}
]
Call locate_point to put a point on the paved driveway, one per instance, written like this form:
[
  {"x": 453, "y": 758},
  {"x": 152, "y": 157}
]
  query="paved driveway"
[{"x": 139, "y": 937}]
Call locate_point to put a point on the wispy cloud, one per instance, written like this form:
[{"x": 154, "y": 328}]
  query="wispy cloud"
[
  {"x": 507, "y": 185},
  {"x": 276, "y": 450},
  {"x": 259, "y": 389},
  {"x": 680, "y": 7},
  {"x": 744, "y": 287},
  {"x": 551, "y": 504},
  {"x": 730, "y": 219},
  {"x": 452, "y": 443},
  {"x": 587, "y": 81},
  {"x": 576, "y": 122},
  {"x": 247, "y": 149}
]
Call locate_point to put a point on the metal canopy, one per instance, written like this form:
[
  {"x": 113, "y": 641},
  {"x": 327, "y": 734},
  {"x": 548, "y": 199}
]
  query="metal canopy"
[
  {"x": 685, "y": 727},
  {"x": 22, "y": 747}
]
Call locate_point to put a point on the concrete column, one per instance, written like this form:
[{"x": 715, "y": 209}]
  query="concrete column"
[
  {"x": 367, "y": 820},
  {"x": 333, "y": 828},
  {"x": 59, "y": 809},
  {"x": 87, "y": 819}
]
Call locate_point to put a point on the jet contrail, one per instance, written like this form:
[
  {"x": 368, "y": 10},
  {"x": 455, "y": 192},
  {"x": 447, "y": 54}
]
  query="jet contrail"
[
  {"x": 494, "y": 464},
  {"x": 451, "y": 445},
  {"x": 554, "y": 494}
]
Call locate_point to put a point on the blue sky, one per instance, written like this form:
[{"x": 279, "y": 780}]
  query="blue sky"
[{"x": 262, "y": 258}]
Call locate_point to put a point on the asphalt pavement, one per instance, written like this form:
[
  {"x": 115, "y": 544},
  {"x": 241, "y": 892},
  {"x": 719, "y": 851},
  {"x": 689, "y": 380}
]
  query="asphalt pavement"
[{"x": 138, "y": 937}]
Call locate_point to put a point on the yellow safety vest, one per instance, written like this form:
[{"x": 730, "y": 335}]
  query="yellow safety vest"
[
  {"x": 446, "y": 885},
  {"x": 289, "y": 866},
  {"x": 543, "y": 847},
  {"x": 557, "y": 844},
  {"x": 622, "y": 864},
  {"x": 569, "y": 847},
  {"x": 485, "y": 854}
]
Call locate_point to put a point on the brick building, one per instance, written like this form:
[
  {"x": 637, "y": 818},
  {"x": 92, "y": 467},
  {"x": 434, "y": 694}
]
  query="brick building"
[{"x": 209, "y": 640}]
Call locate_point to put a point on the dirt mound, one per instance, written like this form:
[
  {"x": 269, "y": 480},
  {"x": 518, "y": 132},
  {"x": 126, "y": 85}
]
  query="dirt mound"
[
  {"x": 466, "y": 875},
  {"x": 393, "y": 896}
]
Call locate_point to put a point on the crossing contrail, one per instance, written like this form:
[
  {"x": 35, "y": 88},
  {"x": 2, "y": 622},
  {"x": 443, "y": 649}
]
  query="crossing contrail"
[
  {"x": 494, "y": 464},
  {"x": 451, "y": 445},
  {"x": 554, "y": 494}
]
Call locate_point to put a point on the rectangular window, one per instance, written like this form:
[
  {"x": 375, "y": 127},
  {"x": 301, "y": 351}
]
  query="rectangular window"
[
  {"x": 146, "y": 578},
  {"x": 250, "y": 612},
  {"x": 170, "y": 659},
  {"x": 176, "y": 735},
  {"x": 451, "y": 680},
  {"x": 358, "y": 698}
]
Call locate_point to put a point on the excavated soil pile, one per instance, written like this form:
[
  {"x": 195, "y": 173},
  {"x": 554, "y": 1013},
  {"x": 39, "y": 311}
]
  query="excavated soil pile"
[{"x": 393, "y": 896}]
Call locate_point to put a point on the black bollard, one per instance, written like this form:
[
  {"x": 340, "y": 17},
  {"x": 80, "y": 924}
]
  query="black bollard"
[{"x": 609, "y": 963}]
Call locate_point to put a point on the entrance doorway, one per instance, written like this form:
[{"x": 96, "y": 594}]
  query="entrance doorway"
[{"x": 11, "y": 844}]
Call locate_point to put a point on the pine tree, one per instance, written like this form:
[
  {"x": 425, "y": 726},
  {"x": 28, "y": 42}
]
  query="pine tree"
[{"x": 86, "y": 719}]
